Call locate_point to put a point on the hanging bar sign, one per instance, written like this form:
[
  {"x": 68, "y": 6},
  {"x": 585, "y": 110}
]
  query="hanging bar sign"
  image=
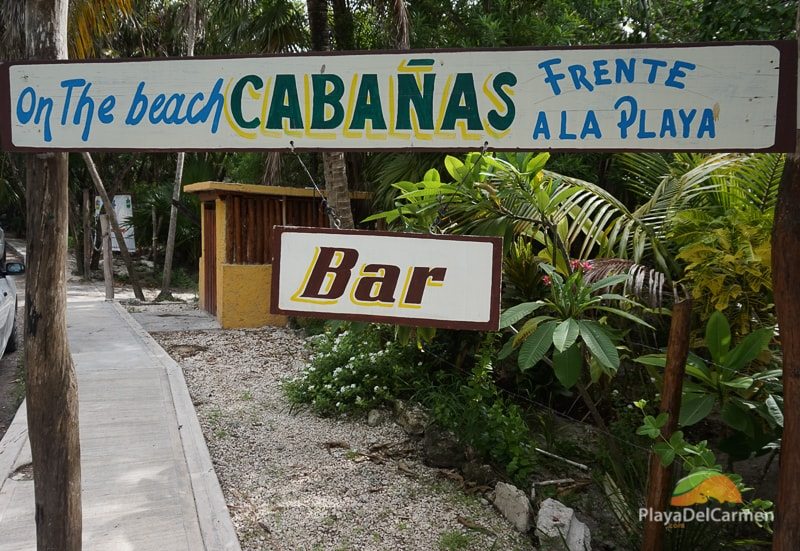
[
  {"x": 408, "y": 279},
  {"x": 705, "y": 97}
]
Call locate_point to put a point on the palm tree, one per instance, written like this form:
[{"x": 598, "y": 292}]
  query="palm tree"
[
  {"x": 338, "y": 191},
  {"x": 164, "y": 294}
]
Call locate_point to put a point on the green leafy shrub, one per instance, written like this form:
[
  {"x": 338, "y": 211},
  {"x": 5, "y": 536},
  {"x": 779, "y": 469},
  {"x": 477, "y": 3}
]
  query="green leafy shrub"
[
  {"x": 476, "y": 411},
  {"x": 728, "y": 264},
  {"x": 568, "y": 327},
  {"x": 747, "y": 396},
  {"x": 354, "y": 368}
]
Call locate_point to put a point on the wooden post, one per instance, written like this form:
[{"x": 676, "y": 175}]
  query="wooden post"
[
  {"x": 51, "y": 391},
  {"x": 154, "y": 246},
  {"x": 786, "y": 289},
  {"x": 108, "y": 270},
  {"x": 659, "y": 484},
  {"x": 108, "y": 207},
  {"x": 87, "y": 236}
]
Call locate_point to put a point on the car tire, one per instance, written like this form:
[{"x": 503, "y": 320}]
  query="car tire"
[{"x": 11, "y": 345}]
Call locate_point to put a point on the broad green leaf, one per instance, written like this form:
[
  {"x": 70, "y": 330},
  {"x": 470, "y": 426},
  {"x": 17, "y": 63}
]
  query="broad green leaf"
[
  {"x": 742, "y": 383},
  {"x": 452, "y": 164},
  {"x": 695, "y": 408},
  {"x": 693, "y": 480},
  {"x": 432, "y": 176},
  {"x": 648, "y": 430},
  {"x": 624, "y": 314},
  {"x": 529, "y": 327},
  {"x": 381, "y": 215},
  {"x": 535, "y": 347},
  {"x": 599, "y": 344},
  {"x": 718, "y": 336},
  {"x": 676, "y": 440},
  {"x": 748, "y": 350},
  {"x": 658, "y": 360},
  {"x": 774, "y": 410},
  {"x": 565, "y": 334},
  {"x": 665, "y": 453},
  {"x": 537, "y": 163},
  {"x": 737, "y": 418},
  {"x": 567, "y": 365},
  {"x": 429, "y": 192},
  {"x": 516, "y": 313},
  {"x": 507, "y": 349},
  {"x": 662, "y": 419},
  {"x": 697, "y": 368}
]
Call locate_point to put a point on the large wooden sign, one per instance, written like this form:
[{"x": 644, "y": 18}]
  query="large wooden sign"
[
  {"x": 409, "y": 279},
  {"x": 700, "y": 98}
]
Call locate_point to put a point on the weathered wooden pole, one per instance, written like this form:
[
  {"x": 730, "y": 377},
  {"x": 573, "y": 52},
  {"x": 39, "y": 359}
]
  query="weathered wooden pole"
[
  {"x": 108, "y": 269},
  {"x": 786, "y": 288},
  {"x": 659, "y": 483},
  {"x": 51, "y": 390},
  {"x": 108, "y": 207},
  {"x": 87, "y": 235}
]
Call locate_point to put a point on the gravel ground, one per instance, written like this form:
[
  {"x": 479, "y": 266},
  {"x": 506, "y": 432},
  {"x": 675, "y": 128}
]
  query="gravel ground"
[{"x": 295, "y": 481}]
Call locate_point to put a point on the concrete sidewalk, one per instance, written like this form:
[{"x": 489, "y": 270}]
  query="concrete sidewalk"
[{"x": 148, "y": 481}]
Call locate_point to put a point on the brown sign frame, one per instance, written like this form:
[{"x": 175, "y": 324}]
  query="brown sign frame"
[{"x": 490, "y": 325}]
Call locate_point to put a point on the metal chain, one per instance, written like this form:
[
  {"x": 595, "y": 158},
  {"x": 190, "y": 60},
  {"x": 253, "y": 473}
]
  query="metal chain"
[
  {"x": 329, "y": 210},
  {"x": 442, "y": 210}
]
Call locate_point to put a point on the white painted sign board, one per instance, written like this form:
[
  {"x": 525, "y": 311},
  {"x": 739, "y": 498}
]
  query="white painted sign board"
[
  {"x": 408, "y": 279},
  {"x": 704, "y": 97},
  {"x": 123, "y": 208}
]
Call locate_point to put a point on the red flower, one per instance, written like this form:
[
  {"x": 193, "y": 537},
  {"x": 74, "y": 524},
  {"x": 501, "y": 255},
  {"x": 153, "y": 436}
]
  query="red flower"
[{"x": 546, "y": 280}]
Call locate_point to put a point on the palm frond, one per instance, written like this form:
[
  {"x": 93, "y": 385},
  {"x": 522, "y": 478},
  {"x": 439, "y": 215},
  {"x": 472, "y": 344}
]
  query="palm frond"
[{"x": 647, "y": 284}]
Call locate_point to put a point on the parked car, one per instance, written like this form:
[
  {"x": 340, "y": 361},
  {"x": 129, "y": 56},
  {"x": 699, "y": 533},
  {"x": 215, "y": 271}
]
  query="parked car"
[{"x": 8, "y": 305}]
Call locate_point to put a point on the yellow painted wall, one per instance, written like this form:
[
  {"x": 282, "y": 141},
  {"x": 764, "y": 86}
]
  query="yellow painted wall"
[
  {"x": 243, "y": 290},
  {"x": 245, "y": 296}
]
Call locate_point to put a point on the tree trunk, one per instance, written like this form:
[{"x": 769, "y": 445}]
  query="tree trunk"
[
  {"x": 273, "y": 165},
  {"x": 401, "y": 24},
  {"x": 112, "y": 218},
  {"x": 786, "y": 287},
  {"x": 169, "y": 252},
  {"x": 51, "y": 390},
  {"x": 336, "y": 188}
]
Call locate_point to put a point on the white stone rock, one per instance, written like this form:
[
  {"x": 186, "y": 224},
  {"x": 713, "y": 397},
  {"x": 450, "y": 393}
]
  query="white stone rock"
[
  {"x": 514, "y": 504},
  {"x": 556, "y": 523},
  {"x": 375, "y": 417}
]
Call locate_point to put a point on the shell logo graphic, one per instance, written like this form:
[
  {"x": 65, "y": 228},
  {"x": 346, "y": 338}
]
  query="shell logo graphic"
[{"x": 699, "y": 486}]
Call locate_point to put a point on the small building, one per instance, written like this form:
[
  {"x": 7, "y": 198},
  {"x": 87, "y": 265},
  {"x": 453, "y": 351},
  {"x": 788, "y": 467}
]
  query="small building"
[{"x": 236, "y": 258}]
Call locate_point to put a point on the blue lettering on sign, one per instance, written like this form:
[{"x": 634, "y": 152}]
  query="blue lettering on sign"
[
  {"x": 163, "y": 109},
  {"x": 35, "y": 111}
]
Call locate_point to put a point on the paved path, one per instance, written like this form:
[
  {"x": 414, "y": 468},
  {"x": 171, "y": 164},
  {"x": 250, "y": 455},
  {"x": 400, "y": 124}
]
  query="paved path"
[{"x": 148, "y": 481}]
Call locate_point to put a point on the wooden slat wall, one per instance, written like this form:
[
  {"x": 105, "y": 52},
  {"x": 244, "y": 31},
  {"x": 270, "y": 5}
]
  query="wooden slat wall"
[{"x": 249, "y": 222}]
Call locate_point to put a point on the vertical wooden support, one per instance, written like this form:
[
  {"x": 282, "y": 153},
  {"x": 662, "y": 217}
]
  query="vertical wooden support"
[
  {"x": 237, "y": 230},
  {"x": 659, "y": 484},
  {"x": 51, "y": 389},
  {"x": 154, "y": 244},
  {"x": 87, "y": 235},
  {"x": 108, "y": 270},
  {"x": 251, "y": 231},
  {"x": 229, "y": 230},
  {"x": 786, "y": 287}
]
